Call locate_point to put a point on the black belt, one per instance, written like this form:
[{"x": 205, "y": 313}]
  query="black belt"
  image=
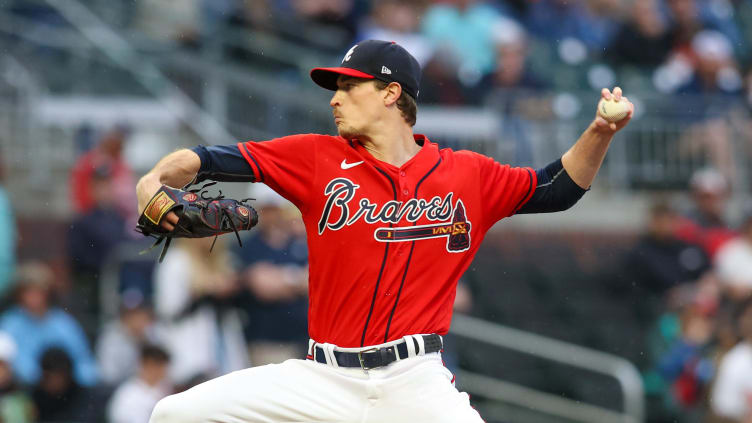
[{"x": 380, "y": 357}]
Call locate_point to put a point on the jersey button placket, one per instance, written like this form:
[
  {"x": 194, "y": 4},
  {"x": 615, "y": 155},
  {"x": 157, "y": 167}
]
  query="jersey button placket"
[
  {"x": 403, "y": 185},
  {"x": 406, "y": 196}
]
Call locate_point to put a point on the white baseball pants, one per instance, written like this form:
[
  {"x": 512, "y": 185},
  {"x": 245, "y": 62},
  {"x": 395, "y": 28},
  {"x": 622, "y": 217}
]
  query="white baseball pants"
[{"x": 413, "y": 390}]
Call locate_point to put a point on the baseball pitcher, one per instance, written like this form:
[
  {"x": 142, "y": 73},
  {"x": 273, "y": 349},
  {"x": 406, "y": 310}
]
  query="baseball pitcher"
[{"x": 392, "y": 223}]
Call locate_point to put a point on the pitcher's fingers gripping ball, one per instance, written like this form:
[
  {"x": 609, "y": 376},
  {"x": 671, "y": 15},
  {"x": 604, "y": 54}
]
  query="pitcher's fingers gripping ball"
[
  {"x": 199, "y": 215},
  {"x": 614, "y": 110}
]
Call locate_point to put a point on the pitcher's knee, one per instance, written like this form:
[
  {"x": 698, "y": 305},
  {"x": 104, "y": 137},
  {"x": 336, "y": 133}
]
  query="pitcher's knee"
[{"x": 169, "y": 410}]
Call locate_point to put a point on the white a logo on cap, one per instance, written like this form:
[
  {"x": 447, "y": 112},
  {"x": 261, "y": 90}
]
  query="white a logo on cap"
[
  {"x": 348, "y": 56},
  {"x": 386, "y": 70}
]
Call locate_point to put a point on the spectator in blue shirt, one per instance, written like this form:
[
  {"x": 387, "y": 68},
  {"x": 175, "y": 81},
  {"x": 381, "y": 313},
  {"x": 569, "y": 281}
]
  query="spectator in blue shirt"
[
  {"x": 15, "y": 403},
  {"x": 463, "y": 29},
  {"x": 688, "y": 17},
  {"x": 708, "y": 101},
  {"x": 7, "y": 239},
  {"x": 36, "y": 325},
  {"x": 556, "y": 20},
  {"x": 92, "y": 236},
  {"x": 274, "y": 270}
]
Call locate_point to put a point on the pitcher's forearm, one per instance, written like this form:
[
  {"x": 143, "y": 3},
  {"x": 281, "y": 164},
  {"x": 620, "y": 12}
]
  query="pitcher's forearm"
[
  {"x": 584, "y": 159},
  {"x": 175, "y": 170}
]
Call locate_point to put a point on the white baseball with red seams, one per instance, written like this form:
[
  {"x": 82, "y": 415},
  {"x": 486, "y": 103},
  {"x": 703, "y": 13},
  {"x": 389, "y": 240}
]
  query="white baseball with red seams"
[{"x": 613, "y": 111}]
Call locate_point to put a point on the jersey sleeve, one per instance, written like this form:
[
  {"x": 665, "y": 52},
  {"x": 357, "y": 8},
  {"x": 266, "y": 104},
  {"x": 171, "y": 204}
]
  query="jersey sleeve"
[
  {"x": 504, "y": 189},
  {"x": 554, "y": 191},
  {"x": 285, "y": 164},
  {"x": 222, "y": 163}
]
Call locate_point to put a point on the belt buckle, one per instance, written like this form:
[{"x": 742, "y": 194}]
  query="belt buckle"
[{"x": 360, "y": 358}]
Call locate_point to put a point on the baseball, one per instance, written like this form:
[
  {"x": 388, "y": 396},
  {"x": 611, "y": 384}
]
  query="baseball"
[{"x": 613, "y": 111}]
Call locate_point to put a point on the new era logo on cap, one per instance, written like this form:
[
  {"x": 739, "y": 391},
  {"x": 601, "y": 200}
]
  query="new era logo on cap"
[{"x": 374, "y": 59}]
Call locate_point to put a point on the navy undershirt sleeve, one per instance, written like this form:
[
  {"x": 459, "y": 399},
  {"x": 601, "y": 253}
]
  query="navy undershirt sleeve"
[
  {"x": 556, "y": 191},
  {"x": 222, "y": 163}
]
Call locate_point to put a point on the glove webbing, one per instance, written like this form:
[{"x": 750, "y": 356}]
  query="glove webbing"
[{"x": 201, "y": 191}]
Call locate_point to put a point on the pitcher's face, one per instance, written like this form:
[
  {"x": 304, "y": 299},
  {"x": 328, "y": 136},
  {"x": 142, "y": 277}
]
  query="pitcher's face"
[{"x": 356, "y": 105}]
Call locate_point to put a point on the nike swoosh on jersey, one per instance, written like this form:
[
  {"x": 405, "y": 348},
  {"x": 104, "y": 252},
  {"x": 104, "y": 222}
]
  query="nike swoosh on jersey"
[{"x": 344, "y": 165}]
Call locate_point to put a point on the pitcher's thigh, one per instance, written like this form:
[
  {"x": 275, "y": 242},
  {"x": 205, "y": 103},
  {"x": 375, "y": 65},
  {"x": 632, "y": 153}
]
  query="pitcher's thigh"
[
  {"x": 294, "y": 391},
  {"x": 426, "y": 395},
  {"x": 450, "y": 406}
]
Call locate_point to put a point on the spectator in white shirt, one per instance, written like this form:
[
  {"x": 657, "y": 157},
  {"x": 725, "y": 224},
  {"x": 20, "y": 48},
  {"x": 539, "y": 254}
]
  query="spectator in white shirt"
[
  {"x": 134, "y": 400},
  {"x": 731, "y": 397},
  {"x": 121, "y": 341},
  {"x": 734, "y": 262}
]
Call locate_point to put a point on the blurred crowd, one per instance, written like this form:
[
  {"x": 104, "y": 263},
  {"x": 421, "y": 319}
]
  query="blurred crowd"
[
  {"x": 470, "y": 47},
  {"x": 683, "y": 62},
  {"x": 195, "y": 316},
  {"x": 690, "y": 277},
  {"x": 686, "y": 64},
  {"x": 199, "y": 315}
]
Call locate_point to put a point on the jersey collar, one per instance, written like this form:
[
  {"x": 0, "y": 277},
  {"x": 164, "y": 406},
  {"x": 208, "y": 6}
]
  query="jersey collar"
[{"x": 421, "y": 163}]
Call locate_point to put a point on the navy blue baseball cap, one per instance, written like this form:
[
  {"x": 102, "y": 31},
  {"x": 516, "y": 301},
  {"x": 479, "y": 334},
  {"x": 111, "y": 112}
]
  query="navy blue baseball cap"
[{"x": 373, "y": 59}]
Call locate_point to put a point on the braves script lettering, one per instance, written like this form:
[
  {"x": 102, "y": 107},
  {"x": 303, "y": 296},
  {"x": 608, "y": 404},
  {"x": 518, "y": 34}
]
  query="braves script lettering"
[
  {"x": 454, "y": 225},
  {"x": 341, "y": 191}
]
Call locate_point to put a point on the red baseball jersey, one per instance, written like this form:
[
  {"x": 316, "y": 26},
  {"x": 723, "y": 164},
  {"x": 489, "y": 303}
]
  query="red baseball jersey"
[{"x": 387, "y": 244}]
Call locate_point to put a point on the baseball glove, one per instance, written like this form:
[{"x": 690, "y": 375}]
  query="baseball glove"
[{"x": 199, "y": 215}]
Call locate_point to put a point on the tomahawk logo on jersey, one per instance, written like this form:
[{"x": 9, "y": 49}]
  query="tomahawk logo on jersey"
[
  {"x": 457, "y": 232},
  {"x": 386, "y": 234}
]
